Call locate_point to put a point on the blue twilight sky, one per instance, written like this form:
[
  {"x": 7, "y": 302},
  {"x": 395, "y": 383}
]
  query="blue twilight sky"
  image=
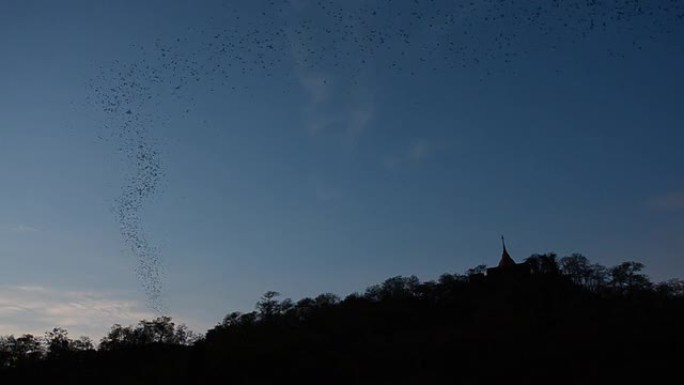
[{"x": 323, "y": 146}]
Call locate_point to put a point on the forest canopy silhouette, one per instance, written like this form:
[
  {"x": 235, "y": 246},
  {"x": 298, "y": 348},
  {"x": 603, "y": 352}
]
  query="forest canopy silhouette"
[{"x": 566, "y": 320}]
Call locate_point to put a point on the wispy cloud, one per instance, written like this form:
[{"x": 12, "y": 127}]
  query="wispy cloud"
[
  {"x": 419, "y": 150},
  {"x": 345, "y": 108},
  {"x": 359, "y": 118},
  {"x": 326, "y": 193},
  {"x": 330, "y": 108},
  {"x": 348, "y": 122},
  {"x": 35, "y": 309},
  {"x": 18, "y": 228},
  {"x": 316, "y": 85},
  {"x": 673, "y": 201},
  {"x": 414, "y": 154}
]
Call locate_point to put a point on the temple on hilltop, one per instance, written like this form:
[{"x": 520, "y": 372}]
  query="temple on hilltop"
[{"x": 507, "y": 268}]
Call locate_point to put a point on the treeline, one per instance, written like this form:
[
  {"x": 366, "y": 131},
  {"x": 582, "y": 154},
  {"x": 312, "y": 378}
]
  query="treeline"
[
  {"x": 568, "y": 321},
  {"x": 28, "y": 349}
]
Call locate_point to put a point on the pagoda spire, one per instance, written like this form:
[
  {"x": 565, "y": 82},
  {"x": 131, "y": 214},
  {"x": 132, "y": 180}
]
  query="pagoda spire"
[{"x": 506, "y": 260}]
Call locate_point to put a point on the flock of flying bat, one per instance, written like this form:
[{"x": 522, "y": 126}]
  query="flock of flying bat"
[{"x": 276, "y": 38}]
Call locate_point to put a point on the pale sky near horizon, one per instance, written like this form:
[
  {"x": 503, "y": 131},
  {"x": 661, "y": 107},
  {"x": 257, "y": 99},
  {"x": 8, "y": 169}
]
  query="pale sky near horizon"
[{"x": 309, "y": 147}]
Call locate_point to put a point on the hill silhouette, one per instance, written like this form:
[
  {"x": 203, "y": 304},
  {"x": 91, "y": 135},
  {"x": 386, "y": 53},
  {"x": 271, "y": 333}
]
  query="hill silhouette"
[{"x": 565, "y": 321}]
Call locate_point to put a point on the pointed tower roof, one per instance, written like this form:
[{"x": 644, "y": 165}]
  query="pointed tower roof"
[{"x": 506, "y": 260}]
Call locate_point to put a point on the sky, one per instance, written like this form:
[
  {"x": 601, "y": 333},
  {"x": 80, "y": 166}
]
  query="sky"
[{"x": 182, "y": 157}]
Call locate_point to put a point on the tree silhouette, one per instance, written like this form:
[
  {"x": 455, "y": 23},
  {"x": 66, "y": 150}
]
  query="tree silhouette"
[
  {"x": 479, "y": 269},
  {"x": 578, "y": 268},
  {"x": 161, "y": 330},
  {"x": 544, "y": 263},
  {"x": 671, "y": 288},
  {"x": 569, "y": 316},
  {"x": 58, "y": 342},
  {"x": 626, "y": 277},
  {"x": 268, "y": 306}
]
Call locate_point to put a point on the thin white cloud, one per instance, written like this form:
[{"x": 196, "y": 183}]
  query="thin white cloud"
[
  {"x": 359, "y": 119},
  {"x": 345, "y": 108},
  {"x": 327, "y": 111},
  {"x": 419, "y": 150},
  {"x": 18, "y": 228},
  {"x": 673, "y": 201},
  {"x": 316, "y": 86},
  {"x": 350, "y": 123},
  {"x": 325, "y": 193},
  {"x": 36, "y": 309},
  {"x": 391, "y": 163},
  {"x": 414, "y": 154}
]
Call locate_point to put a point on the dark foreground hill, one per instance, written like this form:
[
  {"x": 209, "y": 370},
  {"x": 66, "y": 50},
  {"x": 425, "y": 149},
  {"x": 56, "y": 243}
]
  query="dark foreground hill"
[{"x": 558, "y": 324}]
